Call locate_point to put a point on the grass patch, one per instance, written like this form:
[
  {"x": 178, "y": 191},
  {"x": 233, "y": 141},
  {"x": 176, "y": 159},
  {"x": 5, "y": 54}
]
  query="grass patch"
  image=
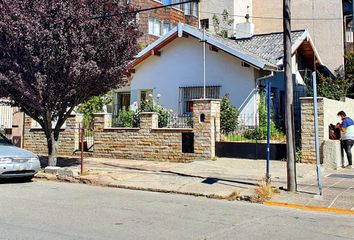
[
  {"x": 232, "y": 197},
  {"x": 264, "y": 192}
]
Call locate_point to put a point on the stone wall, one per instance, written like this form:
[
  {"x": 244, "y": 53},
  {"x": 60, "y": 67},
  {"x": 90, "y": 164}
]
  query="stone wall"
[
  {"x": 327, "y": 114},
  {"x": 34, "y": 139},
  {"x": 145, "y": 143}
]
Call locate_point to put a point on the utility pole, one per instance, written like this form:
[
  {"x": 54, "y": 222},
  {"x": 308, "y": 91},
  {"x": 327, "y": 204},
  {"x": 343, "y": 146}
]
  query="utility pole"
[{"x": 289, "y": 97}]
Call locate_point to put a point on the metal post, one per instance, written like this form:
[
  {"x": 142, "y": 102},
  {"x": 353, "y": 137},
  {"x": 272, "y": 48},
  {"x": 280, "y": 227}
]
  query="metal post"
[
  {"x": 268, "y": 129},
  {"x": 204, "y": 65},
  {"x": 82, "y": 150},
  {"x": 318, "y": 163}
]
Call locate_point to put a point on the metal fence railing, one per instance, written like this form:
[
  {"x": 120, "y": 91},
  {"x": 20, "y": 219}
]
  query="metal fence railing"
[
  {"x": 252, "y": 128},
  {"x": 178, "y": 121}
]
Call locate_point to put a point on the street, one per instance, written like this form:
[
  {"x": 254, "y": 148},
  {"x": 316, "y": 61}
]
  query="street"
[{"x": 51, "y": 210}]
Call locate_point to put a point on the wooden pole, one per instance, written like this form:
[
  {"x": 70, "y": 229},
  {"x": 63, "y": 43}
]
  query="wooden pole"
[{"x": 291, "y": 177}]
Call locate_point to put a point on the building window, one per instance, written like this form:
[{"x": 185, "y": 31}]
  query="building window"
[
  {"x": 188, "y": 94},
  {"x": 166, "y": 27},
  {"x": 166, "y": 2},
  {"x": 177, "y": 6},
  {"x": 154, "y": 27},
  {"x": 195, "y": 10},
  {"x": 204, "y": 23},
  {"x": 187, "y": 9},
  {"x": 122, "y": 101},
  {"x": 144, "y": 94}
]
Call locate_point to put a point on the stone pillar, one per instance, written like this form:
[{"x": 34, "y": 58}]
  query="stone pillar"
[
  {"x": 149, "y": 120},
  {"x": 206, "y": 120},
  {"x": 308, "y": 129}
]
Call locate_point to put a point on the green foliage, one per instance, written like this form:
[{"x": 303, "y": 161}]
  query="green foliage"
[
  {"x": 228, "y": 116},
  {"x": 225, "y": 23},
  {"x": 127, "y": 119},
  {"x": 349, "y": 66},
  {"x": 92, "y": 106},
  {"x": 260, "y": 133},
  {"x": 330, "y": 88}
]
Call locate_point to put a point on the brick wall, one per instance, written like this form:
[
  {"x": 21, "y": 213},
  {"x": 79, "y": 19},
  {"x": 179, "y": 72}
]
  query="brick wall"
[
  {"x": 170, "y": 15},
  {"x": 145, "y": 143},
  {"x": 327, "y": 114}
]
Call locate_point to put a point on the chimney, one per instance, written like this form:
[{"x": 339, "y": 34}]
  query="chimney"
[{"x": 246, "y": 29}]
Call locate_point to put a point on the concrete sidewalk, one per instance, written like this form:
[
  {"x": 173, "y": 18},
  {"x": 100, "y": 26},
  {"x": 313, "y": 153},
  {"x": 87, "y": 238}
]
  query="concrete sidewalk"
[{"x": 221, "y": 178}]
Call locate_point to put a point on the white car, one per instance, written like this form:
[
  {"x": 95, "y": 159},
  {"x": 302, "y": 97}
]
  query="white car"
[{"x": 16, "y": 162}]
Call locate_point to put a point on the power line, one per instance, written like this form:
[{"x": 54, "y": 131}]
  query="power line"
[
  {"x": 276, "y": 18},
  {"x": 145, "y": 9}
]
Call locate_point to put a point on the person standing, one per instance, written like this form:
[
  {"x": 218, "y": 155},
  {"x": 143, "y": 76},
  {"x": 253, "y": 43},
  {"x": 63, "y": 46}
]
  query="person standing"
[{"x": 347, "y": 136}]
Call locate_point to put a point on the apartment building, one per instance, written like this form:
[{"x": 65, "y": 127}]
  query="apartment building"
[
  {"x": 324, "y": 19},
  {"x": 158, "y": 22}
]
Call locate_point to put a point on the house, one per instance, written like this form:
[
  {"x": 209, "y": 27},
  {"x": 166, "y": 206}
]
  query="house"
[
  {"x": 156, "y": 23},
  {"x": 172, "y": 66}
]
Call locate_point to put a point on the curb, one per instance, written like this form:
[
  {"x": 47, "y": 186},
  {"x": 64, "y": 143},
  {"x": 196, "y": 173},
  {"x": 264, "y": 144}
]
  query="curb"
[
  {"x": 310, "y": 208},
  {"x": 147, "y": 189}
]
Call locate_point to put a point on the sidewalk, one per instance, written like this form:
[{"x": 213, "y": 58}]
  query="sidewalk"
[{"x": 220, "y": 178}]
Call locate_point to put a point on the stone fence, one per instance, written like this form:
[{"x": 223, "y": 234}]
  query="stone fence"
[
  {"x": 145, "y": 143},
  {"x": 327, "y": 114}
]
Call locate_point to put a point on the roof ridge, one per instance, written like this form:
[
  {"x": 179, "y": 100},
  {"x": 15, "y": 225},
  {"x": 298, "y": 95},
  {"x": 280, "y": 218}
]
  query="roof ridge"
[{"x": 273, "y": 33}]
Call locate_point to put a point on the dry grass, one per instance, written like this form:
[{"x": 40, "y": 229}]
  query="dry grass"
[
  {"x": 232, "y": 197},
  {"x": 263, "y": 192}
]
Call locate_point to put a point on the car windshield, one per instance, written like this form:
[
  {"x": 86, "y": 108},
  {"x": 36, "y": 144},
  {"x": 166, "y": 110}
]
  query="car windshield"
[{"x": 4, "y": 140}]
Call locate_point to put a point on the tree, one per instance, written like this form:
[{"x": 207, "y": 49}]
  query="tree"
[
  {"x": 54, "y": 56},
  {"x": 226, "y": 24},
  {"x": 228, "y": 116}
]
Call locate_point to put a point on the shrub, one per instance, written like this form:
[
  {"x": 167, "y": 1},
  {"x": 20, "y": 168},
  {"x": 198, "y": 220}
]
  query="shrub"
[
  {"x": 228, "y": 116},
  {"x": 127, "y": 118},
  {"x": 261, "y": 132},
  {"x": 263, "y": 192}
]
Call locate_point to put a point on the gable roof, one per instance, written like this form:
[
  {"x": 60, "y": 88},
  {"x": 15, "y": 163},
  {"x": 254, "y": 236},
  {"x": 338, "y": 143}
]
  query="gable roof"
[
  {"x": 261, "y": 51},
  {"x": 270, "y": 46}
]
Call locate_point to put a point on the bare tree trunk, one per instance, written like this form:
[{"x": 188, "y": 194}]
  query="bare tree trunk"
[{"x": 52, "y": 150}]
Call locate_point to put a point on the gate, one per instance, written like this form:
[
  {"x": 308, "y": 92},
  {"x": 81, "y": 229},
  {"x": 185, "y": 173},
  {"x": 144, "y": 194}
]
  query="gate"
[{"x": 248, "y": 141}]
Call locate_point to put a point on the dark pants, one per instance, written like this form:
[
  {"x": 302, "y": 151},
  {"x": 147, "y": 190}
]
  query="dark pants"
[{"x": 347, "y": 147}]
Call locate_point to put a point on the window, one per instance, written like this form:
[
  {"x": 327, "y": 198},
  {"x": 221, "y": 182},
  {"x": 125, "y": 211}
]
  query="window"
[
  {"x": 123, "y": 101},
  {"x": 204, "y": 23},
  {"x": 187, "y": 94},
  {"x": 177, "y": 6},
  {"x": 195, "y": 9},
  {"x": 154, "y": 27},
  {"x": 166, "y": 27},
  {"x": 144, "y": 95},
  {"x": 166, "y": 2},
  {"x": 187, "y": 8}
]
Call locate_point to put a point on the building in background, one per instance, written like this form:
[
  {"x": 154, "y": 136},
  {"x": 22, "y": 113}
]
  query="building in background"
[
  {"x": 348, "y": 25},
  {"x": 237, "y": 10},
  {"x": 156, "y": 23},
  {"x": 322, "y": 18}
]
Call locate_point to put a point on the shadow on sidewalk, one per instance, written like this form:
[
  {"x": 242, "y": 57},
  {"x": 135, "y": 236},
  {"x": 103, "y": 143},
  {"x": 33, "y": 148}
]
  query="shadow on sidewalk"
[
  {"x": 61, "y": 162},
  {"x": 206, "y": 179}
]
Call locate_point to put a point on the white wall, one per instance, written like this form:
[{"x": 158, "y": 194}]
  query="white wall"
[
  {"x": 237, "y": 8},
  {"x": 181, "y": 65}
]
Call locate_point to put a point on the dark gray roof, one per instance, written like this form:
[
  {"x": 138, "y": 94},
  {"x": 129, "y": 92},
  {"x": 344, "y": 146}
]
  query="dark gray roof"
[
  {"x": 268, "y": 46},
  {"x": 242, "y": 48}
]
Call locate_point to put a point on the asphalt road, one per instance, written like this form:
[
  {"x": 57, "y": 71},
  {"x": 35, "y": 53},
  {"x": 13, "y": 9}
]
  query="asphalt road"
[{"x": 49, "y": 210}]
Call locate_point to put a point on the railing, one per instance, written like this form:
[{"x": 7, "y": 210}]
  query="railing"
[
  {"x": 178, "y": 121},
  {"x": 252, "y": 128}
]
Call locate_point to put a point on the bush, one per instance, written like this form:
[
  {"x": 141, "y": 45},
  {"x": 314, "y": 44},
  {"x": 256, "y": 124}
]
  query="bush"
[
  {"x": 127, "y": 119},
  {"x": 150, "y": 106},
  {"x": 261, "y": 133},
  {"x": 228, "y": 116}
]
